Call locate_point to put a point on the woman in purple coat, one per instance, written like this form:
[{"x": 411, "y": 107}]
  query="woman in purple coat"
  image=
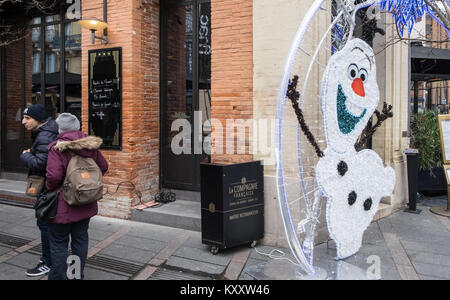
[{"x": 70, "y": 221}]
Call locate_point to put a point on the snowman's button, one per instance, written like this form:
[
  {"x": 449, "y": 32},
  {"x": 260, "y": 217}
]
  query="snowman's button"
[
  {"x": 368, "y": 204},
  {"x": 352, "y": 198},
  {"x": 342, "y": 168}
]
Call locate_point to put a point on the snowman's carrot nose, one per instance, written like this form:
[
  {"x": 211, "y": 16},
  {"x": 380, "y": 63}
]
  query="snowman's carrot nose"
[{"x": 358, "y": 87}]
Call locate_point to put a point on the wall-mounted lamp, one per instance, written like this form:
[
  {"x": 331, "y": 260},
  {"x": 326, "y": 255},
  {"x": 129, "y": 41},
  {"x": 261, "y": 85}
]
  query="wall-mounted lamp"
[{"x": 93, "y": 25}]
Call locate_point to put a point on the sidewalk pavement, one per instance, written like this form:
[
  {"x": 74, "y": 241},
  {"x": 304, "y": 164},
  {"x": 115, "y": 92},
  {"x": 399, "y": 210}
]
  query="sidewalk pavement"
[{"x": 407, "y": 246}]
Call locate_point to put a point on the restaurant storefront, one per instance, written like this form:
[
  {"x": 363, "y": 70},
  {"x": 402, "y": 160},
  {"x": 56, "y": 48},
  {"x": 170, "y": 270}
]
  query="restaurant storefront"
[
  {"x": 172, "y": 60},
  {"x": 158, "y": 57}
]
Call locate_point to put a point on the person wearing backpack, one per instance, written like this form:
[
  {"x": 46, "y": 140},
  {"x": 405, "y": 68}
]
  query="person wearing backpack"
[{"x": 75, "y": 167}]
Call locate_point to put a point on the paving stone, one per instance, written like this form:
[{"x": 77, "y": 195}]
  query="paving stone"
[
  {"x": 94, "y": 274},
  {"x": 99, "y": 235},
  {"x": 431, "y": 258},
  {"x": 425, "y": 247},
  {"x": 427, "y": 239},
  {"x": 254, "y": 262},
  {"x": 266, "y": 250},
  {"x": 423, "y": 237},
  {"x": 437, "y": 201},
  {"x": 361, "y": 260},
  {"x": 202, "y": 256},
  {"x": 424, "y": 277},
  {"x": 29, "y": 222},
  {"x": 107, "y": 224},
  {"x": 196, "y": 267},
  {"x": 159, "y": 233},
  {"x": 141, "y": 243},
  {"x": 30, "y": 233},
  {"x": 422, "y": 233},
  {"x": 19, "y": 211},
  {"x": 4, "y": 250},
  {"x": 24, "y": 260},
  {"x": 390, "y": 274},
  {"x": 432, "y": 270},
  {"x": 9, "y": 218},
  {"x": 121, "y": 252},
  {"x": 3, "y": 224},
  {"x": 245, "y": 276},
  {"x": 92, "y": 243},
  {"x": 373, "y": 234},
  {"x": 10, "y": 272},
  {"x": 194, "y": 242}
]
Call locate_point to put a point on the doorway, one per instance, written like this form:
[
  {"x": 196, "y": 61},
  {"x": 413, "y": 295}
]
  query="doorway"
[
  {"x": 185, "y": 90},
  {"x": 42, "y": 68}
]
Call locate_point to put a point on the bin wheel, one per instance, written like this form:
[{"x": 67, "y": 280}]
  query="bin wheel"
[
  {"x": 252, "y": 244},
  {"x": 214, "y": 250}
]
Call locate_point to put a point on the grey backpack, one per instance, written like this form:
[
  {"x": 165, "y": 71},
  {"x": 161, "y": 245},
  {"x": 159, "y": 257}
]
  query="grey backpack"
[{"x": 83, "y": 182}]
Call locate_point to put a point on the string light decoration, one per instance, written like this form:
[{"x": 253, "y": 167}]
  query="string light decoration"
[
  {"x": 360, "y": 177},
  {"x": 406, "y": 13},
  {"x": 353, "y": 182}
]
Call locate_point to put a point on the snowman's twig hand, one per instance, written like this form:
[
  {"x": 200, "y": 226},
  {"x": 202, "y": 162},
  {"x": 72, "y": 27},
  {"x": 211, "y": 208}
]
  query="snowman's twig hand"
[
  {"x": 294, "y": 96},
  {"x": 370, "y": 131}
]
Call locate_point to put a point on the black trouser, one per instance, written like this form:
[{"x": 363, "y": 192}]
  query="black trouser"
[
  {"x": 59, "y": 241},
  {"x": 46, "y": 258}
]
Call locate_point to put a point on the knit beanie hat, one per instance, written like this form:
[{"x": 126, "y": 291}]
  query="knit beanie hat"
[
  {"x": 37, "y": 112},
  {"x": 67, "y": 122}
]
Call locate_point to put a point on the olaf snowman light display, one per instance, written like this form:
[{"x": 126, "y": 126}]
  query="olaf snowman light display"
[{"x": 353, "y": 182}]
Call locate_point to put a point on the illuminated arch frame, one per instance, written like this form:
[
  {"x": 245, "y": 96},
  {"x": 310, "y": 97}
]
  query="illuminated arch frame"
[{"x": 293, "y": 241}]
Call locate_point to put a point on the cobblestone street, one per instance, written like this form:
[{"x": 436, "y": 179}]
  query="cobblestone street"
[{"x": 409, "y": 246}]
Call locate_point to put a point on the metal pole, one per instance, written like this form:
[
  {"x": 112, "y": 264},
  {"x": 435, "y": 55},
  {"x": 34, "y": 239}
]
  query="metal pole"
[
  {"x": 412, "y": 156},
  {"x": 448, "y": 198},
  {"x": 416, "y": 97},
  {"x": 105, "y": 17},
  {"x": 105, "y": 11}
]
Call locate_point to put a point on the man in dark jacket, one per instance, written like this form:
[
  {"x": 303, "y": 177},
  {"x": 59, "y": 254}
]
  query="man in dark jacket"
[
  {"x": 43, "y": 132},
  {"x": 70, "y": 221}
]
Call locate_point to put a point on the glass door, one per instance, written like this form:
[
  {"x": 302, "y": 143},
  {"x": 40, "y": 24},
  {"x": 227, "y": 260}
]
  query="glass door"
[
  {"x": 43, "y": 68},
  {"x": 185, "y": 91}
]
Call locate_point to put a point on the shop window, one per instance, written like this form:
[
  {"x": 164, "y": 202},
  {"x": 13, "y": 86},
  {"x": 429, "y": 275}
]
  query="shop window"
[
  {"x": 56, "y": 67},
  {"x": 73, "y": 69}
]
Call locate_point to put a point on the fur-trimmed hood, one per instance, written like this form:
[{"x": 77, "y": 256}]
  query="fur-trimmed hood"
[{"x": 87, "y": 143}]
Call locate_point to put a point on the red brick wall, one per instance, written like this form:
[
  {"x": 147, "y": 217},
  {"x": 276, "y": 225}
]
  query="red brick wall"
[
  {"x": 14, "y": 87},
  {"x": 232, "y": 70},
  {"x": 134, "y": 26}
]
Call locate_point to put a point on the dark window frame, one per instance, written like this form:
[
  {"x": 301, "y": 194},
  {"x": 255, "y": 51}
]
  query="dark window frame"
[
  {"x": 196, "y": 159},
  {"x": 62, "y": 24}
]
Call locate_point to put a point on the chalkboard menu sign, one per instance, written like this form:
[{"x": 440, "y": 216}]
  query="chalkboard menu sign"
[
  {"x": 105, "y": 96},
  {"x": 444, "y": 126}
]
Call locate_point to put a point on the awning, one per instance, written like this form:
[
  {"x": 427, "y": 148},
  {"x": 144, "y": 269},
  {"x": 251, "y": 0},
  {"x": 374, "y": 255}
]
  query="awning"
[
  {"x": 430, "y": 64},
  {"x": 54, "y": 78}
]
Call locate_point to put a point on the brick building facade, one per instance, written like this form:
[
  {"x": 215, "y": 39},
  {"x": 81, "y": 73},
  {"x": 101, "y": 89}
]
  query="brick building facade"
[{"x": 240, "y": 48}]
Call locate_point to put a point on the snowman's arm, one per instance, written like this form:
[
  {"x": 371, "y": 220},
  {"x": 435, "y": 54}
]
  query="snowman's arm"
[
  {"x": 294, "y": 96},
  {"x": 370, "y": 131}
]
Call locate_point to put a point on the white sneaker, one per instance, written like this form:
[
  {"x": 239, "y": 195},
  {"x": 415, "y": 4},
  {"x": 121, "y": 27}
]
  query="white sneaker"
[{"x": 39, "y": 270}]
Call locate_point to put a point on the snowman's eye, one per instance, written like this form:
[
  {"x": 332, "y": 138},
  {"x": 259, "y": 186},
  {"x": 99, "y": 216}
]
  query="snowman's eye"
[
  {"x": 352, "y": 71},
  {"x": 363, "y": 74}
]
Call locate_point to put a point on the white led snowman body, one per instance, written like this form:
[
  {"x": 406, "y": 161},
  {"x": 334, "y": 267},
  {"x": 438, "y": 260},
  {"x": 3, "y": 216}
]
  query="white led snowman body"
[{"x": 353, "y": 182}]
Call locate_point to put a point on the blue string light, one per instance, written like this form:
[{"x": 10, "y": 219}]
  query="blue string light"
[{"x": 406, "y": 13}]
